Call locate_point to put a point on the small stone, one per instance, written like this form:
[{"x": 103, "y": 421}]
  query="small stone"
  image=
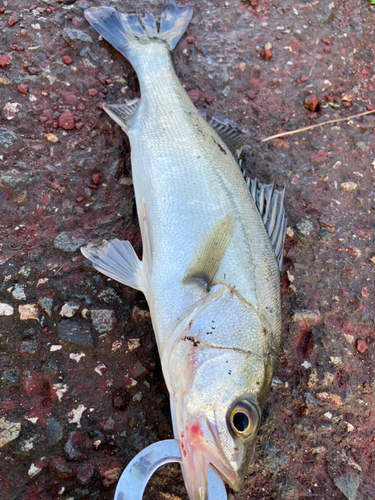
[
  {"x": 348, "y": 484},
  {"x": 60, "y": 390},
  {"x": 110, "y": 476},
  {"x": 93, "y": 92},
  {"x": 9, "y": 431},
  {"x": 74, "y": 416},
  {"x": 71, "y": 446},
  {"x": 67, "y": 60},
  {"x": 5, "y": 60},
  {"x": 11, "y": 377},
  {"x": 120, "y": 399},
  {"x": 361, "y": 346},
  {"x": 11, "y": 109},
  {"x": 68, "y": 242},
  {"x": 29, "y": 346},
  {"x": 54, "y": 431},
  {"x": 71, "y": 35},
  {"x": 191, "y": 39},
  {"x": 330, "y": 398},
  {"x": 305, "y": 315},
  {"x": 12, "y": 21},
  {"x": 103, "y": 319},
  {"x": 348, "y": 186},
  {"x": 95, "y": 178},
  {"x": 6, "y": 309},
  {"x": 23, "y": 88},
  {"x": 137, "y": 370},
  {"x": 60, "y": 466},
  {"x": 55, "y": 348},
  {"x": 72, "y": 331},
  {"x": 77, "y": 357},
  {"x": 305, "y": 227},
  {"x": 108, "y": 295},
  {"x": 85, "y": 473},
  {"x": 304, "y": 78},
  {"x": 133, "y": 344},
  {"x": 312, "y": 103},
  {"x": 194, "y": 94},
  {"x": 69, "y": 309},
  {"x": 46, "y": 305},
  {"x": 349, "y": 337},
  {"x": 66, "y": 120},
  {"x": 28, "y": 311},
  {"x": 51, "y": 138}
]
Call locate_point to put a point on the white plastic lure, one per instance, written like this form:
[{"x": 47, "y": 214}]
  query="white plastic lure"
[{"x": 212, "y": 246}]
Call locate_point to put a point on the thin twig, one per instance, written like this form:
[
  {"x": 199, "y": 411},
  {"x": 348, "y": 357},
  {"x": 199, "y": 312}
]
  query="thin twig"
[{"x": 291, "y": 132}]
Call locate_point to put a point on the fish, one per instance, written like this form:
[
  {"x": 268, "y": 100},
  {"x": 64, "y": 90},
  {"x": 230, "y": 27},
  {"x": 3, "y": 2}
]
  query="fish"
[{"x": 212, "y": 247}]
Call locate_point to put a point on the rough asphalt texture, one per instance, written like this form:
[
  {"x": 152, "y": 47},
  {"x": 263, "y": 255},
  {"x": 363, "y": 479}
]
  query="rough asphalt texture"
[{"x": 81, "y": 384}]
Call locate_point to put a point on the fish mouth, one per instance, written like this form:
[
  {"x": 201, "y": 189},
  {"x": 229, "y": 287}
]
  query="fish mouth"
[{"x": 200, "y": 448}]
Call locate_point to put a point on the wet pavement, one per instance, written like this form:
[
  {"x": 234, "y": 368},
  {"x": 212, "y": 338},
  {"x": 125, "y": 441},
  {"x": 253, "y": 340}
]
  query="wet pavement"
[{"x": 81, "y": 384}]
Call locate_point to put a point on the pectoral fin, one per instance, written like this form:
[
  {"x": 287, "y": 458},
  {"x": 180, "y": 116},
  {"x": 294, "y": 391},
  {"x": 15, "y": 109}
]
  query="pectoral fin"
[
  {"x": 118, "y": 260},
  {"x": 122, "y": 114},
  {"x": 210, "y": 254}
]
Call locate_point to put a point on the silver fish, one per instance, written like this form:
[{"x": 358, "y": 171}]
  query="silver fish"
[{"x": 212, "y": 245}]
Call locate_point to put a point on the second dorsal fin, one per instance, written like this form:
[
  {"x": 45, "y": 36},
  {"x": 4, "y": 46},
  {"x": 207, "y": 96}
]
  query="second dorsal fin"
[
  {"x": 229, "y": 131},
  {"x": 270, "y": 203}
]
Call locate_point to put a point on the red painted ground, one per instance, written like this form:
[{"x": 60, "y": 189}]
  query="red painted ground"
[{"x": 81, "y": 388}]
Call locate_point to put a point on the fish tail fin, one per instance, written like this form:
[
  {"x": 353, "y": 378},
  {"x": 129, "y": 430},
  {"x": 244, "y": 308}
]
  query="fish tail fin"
[{"x": 127, "y": 34}]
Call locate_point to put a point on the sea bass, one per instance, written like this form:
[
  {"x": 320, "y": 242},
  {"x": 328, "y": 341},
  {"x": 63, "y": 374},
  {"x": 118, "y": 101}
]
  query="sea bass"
[{"x": 212, "y": 245}]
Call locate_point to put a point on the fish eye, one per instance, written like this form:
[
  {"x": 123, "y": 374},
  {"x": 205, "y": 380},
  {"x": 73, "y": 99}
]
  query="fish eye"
[{"x": 244, "y": 419}]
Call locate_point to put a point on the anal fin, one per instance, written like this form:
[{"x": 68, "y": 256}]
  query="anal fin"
[
  {"x": 118, "y": 260},
  {"x": 270, "y": 203},
  {"x": 210, "y": 254},
  {"x": 122, "y": 114}
]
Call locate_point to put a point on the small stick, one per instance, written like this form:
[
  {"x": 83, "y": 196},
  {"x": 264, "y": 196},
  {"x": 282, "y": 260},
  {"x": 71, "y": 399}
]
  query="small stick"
[{"x": 290, "y": 132}]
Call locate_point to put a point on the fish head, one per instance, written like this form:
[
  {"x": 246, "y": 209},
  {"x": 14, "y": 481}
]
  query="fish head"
[{"x": 219, "y": 378}]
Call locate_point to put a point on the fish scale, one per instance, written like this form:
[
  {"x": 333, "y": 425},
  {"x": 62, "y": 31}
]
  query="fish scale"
[{"x": 208, "y": 271}]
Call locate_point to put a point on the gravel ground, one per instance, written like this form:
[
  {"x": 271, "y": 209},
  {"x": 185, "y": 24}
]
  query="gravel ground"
[{"x": 81, "y": 384}]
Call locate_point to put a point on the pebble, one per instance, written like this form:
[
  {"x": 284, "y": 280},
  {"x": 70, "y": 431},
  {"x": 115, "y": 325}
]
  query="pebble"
[
  {"x": 305, "y": 227},
  {"x": 194, "y": 94},
  {"x": 9, "y": 431},
  {"x": 67, "y": 242},
  {"x": 51, "y": 138},
  {"x": 6, "y": 309},
  {"x": 46, "y": 305},
  {"x": 29, "y": 346},
  {"x": 12, "y": 21},
  {"x": 23, "y": 88},
  {"x": 330, "y": 398},
  {"x": 70, "y": 448},
  {"x": 93, "y": 92},
  {"x": 69, "y": 309},
  {"x": 361, "y": 346},
  {"x": 28, "y": 311},
  {"x": 85, "y": 473},
  {"x": 312, "y": 103},
  {"x": 103, "y": 319},
  {"x": 120, "y": 399},
  {"x": 66, "y": 120},
  {"x": 348, "y": 186},
  {"x": 67, "y": 60},
  {"x": 7, "y": 138},
  {"x": 75, "y": 415},
  {"x": 11, "y": 377},
  {"x": 72, "y": 331},
  {"x": 348, "y": 484},
  {"x": 54, "y": 431},
  {"x": 191, "y": 39},
  {"x": 77, "y": 357},
  {"x": 305, "y": 314},
  {"x": 5, "y": 60},
  {"x": 71, "y": 34}
]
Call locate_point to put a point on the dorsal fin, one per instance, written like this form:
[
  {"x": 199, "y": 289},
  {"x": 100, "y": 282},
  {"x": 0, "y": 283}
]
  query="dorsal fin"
[
  {"x": 230, "y": 132},
  {"x": 270, "y": 203},
  {"x": 122, "y": 114},
  {"x": 210, "y": 254}
]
